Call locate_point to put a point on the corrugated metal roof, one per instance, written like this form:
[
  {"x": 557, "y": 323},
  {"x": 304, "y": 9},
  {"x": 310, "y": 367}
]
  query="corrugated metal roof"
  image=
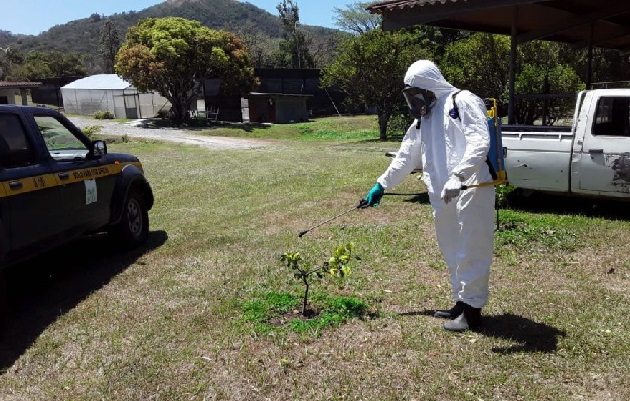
[
  {"x": 381, "y": 6},
  {"x": 603, "y": 23},
  {"x": 18, "y": 85},
  {"x": 99, "y": 81}
]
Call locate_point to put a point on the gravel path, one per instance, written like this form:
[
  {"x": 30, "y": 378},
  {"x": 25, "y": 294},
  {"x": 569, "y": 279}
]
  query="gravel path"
[{"x": 139, "y": 129}]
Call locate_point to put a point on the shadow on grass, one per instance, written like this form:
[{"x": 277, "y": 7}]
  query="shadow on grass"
[
  {"x": 46, "y": 287},
  {"x": 390, "y": 139},
  {"x": 558, "y": 204},
  {"x": 200, "y": 124},
  {"x": 530, "y": 336},
  {"x": 421, "y": 197}
]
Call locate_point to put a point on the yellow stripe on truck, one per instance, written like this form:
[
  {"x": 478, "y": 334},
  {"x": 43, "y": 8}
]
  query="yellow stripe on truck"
[{"x": 35, "y": 183}]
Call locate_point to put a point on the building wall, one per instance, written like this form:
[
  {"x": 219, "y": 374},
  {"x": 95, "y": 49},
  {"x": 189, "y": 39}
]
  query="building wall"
[
  {"x": 291, "y": 110},
  {"x": 229, "y": 106},
  {"x": 276, "y": 108},
  {"x": 260, "y": 110},
  {"x": 127, "y": 103},
  {"x": 50, "y": 91},
  {"x": 151, "y": 104},
  {"x": 322, "y": 102},
  {"x": 87, "y": 102},
  {"x": 9, "y": 94}
]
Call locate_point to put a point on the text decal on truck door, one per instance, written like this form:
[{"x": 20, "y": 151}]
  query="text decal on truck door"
[{"x": 50, "y": 180}]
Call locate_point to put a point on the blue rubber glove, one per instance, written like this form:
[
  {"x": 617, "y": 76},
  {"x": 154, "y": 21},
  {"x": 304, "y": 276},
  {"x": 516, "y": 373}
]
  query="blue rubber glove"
[{"x": 373, "y": 198}]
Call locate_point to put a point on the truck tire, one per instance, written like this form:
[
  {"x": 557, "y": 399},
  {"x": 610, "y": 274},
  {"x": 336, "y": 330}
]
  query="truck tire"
[{"x": 133, "y": 228}]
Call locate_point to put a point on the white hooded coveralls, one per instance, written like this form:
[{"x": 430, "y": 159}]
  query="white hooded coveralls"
[{"x": 444, "y": 147}]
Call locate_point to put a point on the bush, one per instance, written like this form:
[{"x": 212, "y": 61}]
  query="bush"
[
  {"x": 90, "y": 130},
  {"x": 103, "y": 115},
  {"x": 503, "y": 194},
  {"x": 398, "y": 124}
]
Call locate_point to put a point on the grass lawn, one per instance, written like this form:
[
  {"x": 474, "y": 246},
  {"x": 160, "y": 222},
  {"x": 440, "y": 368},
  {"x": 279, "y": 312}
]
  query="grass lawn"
[{"x": 203, "y": 311}]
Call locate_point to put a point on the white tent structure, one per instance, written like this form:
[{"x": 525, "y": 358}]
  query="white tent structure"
[{"x": 109, "y": 92}]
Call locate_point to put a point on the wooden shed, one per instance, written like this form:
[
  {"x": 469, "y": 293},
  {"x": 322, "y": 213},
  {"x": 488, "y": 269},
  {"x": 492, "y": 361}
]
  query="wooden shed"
[{"x": 279, "y": 108}]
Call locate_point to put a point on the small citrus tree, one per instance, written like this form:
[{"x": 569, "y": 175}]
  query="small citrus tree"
[{"x": 338, "y": 267}]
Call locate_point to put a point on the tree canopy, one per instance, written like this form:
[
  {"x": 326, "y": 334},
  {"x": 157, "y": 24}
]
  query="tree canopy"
[
  {"x": 355, "y": 19},
  {"x": 109, "y": 45},
  {"x": 171, "y": 54},
  {"x": 479, "y": 63},
  {"x": 370, "y": 68},
  {"x": 295, "y": 48},
  {"x": 52, "y": 64}
]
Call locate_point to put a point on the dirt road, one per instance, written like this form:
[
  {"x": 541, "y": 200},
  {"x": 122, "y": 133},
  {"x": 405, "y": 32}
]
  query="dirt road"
[{"x": 139, "y": 129}]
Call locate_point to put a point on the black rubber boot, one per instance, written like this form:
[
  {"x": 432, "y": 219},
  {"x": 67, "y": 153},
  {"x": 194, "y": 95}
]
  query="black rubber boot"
[
  {"x": 469, "y": 319},
  {"x": 452, "y": 313},
  {"x": 473, "y": 317}
]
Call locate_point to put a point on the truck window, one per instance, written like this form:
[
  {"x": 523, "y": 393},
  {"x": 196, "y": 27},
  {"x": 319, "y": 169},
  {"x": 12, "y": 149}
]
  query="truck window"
[
  {"x": 15, "y": 149},
  {"x": 612, "y": 117},
  {"x": 60, "y": 142}
]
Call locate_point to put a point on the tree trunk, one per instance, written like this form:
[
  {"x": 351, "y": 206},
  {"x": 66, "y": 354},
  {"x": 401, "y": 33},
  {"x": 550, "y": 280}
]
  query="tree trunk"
[
  {"x": 181, "y": 97},
  {"x": 383, "y": 118},
  {"x": 305, "y": 299},
  {"x": 179, "y": 111}
]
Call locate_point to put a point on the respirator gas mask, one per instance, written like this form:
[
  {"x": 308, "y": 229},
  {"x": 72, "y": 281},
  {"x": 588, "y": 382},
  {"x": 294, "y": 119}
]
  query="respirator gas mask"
[{"x": 420, "y": 101}]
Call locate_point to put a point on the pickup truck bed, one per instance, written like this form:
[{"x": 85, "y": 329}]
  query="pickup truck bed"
[
  {"x": 537, "y": 158},
  {"x": 591, "y": 158}
]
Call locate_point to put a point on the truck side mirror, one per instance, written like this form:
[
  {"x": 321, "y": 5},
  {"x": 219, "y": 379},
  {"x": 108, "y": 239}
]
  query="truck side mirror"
[{"x": 98, "y": 149}]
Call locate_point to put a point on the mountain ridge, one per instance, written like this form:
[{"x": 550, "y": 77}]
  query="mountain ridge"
[{"x": 82, "y": 35}]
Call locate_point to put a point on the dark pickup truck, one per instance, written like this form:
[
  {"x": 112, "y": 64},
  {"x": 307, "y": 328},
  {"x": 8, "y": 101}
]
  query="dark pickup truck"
[{"x": 56, "y": 185}]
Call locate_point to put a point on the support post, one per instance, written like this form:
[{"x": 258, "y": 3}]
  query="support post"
[{"x": 512, "y": 65}]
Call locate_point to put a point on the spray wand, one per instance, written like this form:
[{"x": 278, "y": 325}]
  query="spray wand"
[{"x": 362, "y": 205}]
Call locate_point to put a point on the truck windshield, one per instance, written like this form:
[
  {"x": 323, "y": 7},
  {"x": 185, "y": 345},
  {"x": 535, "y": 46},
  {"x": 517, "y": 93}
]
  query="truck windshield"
[{"x": 61, "y": 142}]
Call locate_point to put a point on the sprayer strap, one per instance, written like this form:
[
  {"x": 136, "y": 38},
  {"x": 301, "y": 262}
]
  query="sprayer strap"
[
  {"x": 493, "y": 173},
  {"x": 484, "y": 184},
  {"x": 455, "y": 107}
]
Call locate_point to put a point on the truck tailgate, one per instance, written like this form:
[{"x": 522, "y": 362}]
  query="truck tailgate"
[{"x": 538, "y": 158}]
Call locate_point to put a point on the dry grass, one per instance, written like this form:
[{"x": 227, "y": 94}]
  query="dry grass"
[{"x": 166, "y": 322}]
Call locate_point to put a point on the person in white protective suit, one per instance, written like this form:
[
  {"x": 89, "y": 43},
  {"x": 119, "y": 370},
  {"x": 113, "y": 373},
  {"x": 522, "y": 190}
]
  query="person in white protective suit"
[{"x": 449, "y": 139}]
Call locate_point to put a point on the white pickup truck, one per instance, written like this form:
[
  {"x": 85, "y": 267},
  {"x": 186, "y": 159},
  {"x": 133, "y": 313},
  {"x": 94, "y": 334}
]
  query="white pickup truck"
[{"x": 589, "y": 158}]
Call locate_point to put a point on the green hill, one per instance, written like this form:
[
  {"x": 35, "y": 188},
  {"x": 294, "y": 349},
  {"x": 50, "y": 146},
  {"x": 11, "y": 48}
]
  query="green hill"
[{"x": 82, "y": 35}]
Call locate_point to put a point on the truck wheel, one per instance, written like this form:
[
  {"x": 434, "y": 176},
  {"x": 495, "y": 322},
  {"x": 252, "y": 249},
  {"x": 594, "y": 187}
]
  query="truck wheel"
[{"x": 133, "y": 228}]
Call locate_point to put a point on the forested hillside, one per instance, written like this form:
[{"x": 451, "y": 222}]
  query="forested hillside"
[{"x": 246, "y": 20}]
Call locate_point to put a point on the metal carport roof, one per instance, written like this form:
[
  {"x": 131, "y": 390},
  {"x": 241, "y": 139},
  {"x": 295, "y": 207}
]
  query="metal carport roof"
[
  {"x": 605, "y": 23},
  {"x": 581, "y": 23}
]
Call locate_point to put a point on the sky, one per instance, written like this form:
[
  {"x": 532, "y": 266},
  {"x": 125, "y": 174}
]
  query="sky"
[{"x": 31, "y": 17}]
